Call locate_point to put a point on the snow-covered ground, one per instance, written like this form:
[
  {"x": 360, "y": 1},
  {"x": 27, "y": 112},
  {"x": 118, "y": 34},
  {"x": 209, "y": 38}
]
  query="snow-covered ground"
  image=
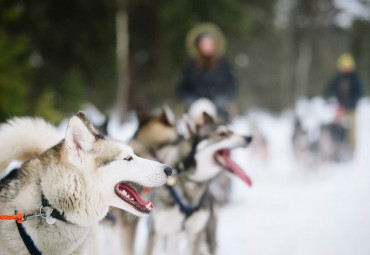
[{"x": 291, "y": 210}]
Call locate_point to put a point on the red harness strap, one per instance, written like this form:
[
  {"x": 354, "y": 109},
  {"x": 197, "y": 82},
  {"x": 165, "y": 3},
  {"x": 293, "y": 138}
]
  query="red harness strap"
[{"x": 17, "y": 217}]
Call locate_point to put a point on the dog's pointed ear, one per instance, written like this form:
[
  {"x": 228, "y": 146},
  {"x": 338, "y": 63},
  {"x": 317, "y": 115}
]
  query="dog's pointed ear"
[
  {"x": 168, "y": 117},
  {"x": 207, "y": 119},
  {"x": 82, "y": 116},
  {"x": 79, "y": 135},
  {"x": 187, "y": 127}
]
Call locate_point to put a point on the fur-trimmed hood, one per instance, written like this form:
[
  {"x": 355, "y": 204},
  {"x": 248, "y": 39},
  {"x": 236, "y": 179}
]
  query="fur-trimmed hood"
[{"x": 201, "y": 28}]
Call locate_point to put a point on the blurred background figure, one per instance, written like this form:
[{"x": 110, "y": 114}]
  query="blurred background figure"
[
  {"x": 208, "y": 74},
  {"x": 346, "y": 88}
]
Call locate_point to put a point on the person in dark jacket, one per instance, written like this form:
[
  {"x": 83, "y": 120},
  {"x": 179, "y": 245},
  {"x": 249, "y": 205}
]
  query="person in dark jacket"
[
  {"x": 208, "y": 74},
  {"x": 346, "y": 88}
]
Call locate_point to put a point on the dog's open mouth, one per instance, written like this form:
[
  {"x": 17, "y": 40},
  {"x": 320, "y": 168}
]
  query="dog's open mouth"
[
  {"x": 223, "y": 158},
  {"x": 128, "y": 194}
]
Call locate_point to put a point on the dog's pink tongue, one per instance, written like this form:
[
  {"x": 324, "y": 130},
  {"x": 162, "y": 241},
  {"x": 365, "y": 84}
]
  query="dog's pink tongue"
[
  {"x": 136, "y": 196},
  {"x": 236, "y": 169}
]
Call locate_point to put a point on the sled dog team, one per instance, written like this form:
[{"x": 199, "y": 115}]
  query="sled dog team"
[{"x": 67, "y": 188}]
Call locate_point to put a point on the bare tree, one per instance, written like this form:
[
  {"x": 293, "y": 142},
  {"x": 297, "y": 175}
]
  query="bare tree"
[{"x": 122, "y": 53}]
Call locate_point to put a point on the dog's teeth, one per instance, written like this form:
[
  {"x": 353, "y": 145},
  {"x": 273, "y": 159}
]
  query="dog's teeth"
[
  {"x": 221, "y": 160},
  {"x": 132, "y": 199},
  {"x": 149, "y": 206},
  {"x": 123, "y": 192}
]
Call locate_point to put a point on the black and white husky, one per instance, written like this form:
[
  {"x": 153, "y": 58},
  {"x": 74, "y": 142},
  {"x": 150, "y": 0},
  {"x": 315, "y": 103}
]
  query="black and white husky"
[{"x": 185, "y": 218}]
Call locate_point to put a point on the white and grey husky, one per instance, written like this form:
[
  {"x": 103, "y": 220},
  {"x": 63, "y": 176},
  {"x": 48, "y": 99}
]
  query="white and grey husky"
[
  {"x": 185, "y": 218},
  {"x": 66, "y": 187}
]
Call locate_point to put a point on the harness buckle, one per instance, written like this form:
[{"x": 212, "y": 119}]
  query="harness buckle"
[
  {"x": 171, "y": 180},
  {"x": 47, "y": 214},
  {"x": 43, "y": 214}
]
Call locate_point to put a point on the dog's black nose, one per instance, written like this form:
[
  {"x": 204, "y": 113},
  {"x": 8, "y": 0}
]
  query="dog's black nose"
[
  {"x": 248, "y": 139},
  {"x": 168, "y": 170}
]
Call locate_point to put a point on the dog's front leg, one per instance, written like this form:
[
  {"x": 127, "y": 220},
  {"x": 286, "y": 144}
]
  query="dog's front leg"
[
  {"x": 200, "y": 246},
  {"x": 211, "y": 230}
]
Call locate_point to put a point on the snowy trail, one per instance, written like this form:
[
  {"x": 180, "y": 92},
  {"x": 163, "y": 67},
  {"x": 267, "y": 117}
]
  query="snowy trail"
[
  {"x": 294, "y": 211},
  {"x": 324, "y": 217}
]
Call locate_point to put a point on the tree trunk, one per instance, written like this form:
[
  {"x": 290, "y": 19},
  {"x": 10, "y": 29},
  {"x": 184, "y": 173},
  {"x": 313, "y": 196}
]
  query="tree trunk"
[
  {"x": 287, "y": 97},
  {"x": 122, "y": 51},
  {"x": 303, "y": 67}
]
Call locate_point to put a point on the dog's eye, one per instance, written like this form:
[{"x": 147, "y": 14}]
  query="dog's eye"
[
  {"x": 222, "y": 134},
  {"x": 128, "y": 158}
]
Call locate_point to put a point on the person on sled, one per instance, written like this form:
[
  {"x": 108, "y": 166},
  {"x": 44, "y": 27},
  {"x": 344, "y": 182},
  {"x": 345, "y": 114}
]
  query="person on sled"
[{"x": 208, "y": 74}]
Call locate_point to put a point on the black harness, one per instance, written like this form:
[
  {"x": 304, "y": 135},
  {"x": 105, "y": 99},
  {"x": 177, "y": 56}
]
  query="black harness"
[
  {"x": 55, "y": 214},
  {"x": 184, "y": 165},
  {"x": 185, "y": 209},
  {"x": 27, "y": 240}
]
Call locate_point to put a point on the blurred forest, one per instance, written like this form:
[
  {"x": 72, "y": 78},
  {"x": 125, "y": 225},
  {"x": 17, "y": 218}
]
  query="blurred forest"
[{"x": 56, "y": 55}]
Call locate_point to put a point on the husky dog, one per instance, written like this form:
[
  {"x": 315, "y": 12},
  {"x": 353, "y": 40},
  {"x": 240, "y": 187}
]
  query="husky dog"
[
  {"x": 155, "y": 132},
  {"x": 306, "y": 150},
  {"x": 70, "y": 185},
  {"x": 153, "y": 139},
  {"x": 199, "y": 111},
  {"x": 185, "y": 220}
]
